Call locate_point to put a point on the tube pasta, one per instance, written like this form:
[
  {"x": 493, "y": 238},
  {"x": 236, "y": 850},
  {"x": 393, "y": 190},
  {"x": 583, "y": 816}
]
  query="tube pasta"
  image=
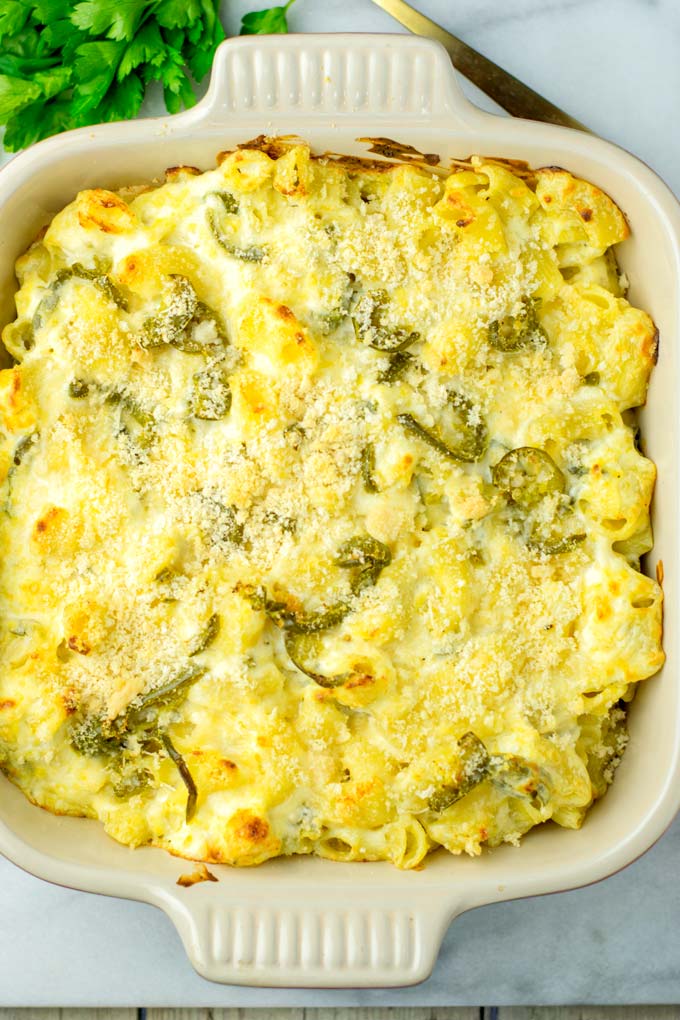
[{"x": 322, "y": 508}]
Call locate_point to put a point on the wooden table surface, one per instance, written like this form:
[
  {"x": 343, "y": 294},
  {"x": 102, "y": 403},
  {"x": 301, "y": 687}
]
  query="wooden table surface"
[{"x": 395, "y": 1013}]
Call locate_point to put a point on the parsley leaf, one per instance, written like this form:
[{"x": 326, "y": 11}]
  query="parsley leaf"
[
  {"x": 118, "y": 20},
  {"x": 147, "y": 47},
  {"x": 123, "y": 102},
  {"x": 15, "y": 93},
  {"x": 178, "y": 13},
  {"x": 52, "y": 81},
  {"x": 272, "y": 21},
  {"x": 95, "y": 65},
  {"x": 36, "y": 122},
  {"x": 200, "y": 50},
  {"x": 61, "y": 34},
  {"x": 72, "y": 63},
  {"x": 177, "y": 90},
  {"x": 47, "y": 11},
  {"x": 13, "y": 17}
]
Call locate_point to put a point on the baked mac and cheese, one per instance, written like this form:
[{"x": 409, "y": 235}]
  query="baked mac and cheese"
[{"x": 322, "y": 508}]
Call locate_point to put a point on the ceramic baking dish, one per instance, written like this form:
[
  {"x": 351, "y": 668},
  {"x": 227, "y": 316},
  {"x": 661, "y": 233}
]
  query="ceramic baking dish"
[{"x": 310, "y": 922}]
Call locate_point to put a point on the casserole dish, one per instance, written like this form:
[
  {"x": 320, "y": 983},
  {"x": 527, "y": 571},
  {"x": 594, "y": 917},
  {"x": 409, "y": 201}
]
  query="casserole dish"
[{"x": 306, "y": 921}]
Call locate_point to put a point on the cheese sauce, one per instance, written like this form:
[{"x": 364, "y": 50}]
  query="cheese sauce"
[{"x": 323, "y": 509}]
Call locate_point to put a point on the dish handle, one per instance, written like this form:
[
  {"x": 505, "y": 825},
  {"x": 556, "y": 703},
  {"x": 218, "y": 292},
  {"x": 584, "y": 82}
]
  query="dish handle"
[
  {"x": 332, "y": 77},
  {"x": 309, "y": 943}
]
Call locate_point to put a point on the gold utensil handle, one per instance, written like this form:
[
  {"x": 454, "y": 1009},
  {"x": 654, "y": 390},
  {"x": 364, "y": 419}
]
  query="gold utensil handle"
[{"x": 506, "y": 90}]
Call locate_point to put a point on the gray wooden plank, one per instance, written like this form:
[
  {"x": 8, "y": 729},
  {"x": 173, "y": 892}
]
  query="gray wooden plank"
[
  {"x": 360, "y": 1013},
  {"x": 586, "y": 1013},
  {"x": 197, "y": 1014},
  {"x": 391, "y": 1013},
  {"x": 67, "y": 1014},
  {"x": 194, "y": 1014},
  {"x": 29, "y": 1014},
  {"x": 226, "y": 1014},
  {"x": 96, "y": 1014},
  {"x": 374, "y": 1013},
  {"x": 455, "y": 1013},
  {"x": 350, "y": 1013}
]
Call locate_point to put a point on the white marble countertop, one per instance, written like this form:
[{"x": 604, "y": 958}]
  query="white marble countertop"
[{"x": 613, "y": 64}]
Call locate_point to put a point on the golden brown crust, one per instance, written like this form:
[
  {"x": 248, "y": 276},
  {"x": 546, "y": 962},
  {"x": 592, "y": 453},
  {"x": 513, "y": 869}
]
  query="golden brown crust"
[{"x": 195, "y": 877}]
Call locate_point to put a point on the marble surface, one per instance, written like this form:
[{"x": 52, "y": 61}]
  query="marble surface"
[{"x": 612, "y": 64}]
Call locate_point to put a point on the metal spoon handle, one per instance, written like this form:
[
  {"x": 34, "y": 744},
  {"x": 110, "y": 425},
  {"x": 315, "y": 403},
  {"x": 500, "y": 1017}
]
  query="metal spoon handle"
[{"x": 506, "y": 90}]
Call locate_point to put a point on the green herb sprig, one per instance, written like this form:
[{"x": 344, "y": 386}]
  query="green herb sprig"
[
  {"x": 271, "y": 21},
  {"x": 66, "y": 65}
]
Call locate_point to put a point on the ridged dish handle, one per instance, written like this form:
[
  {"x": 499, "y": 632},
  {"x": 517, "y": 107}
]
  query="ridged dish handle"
[
  {"x": 293, "y": 945},
  {"x": 336, "y": 76}
]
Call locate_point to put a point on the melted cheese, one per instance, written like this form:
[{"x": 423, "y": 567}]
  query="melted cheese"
[{"x": 208, "y": 442}]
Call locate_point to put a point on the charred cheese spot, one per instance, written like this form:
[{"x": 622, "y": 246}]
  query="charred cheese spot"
[
  {"x": 103, "y": 210},
  {"x": 174, "y": 173},
  {"x": 16, "y": 409},
  {"x": 252, "y": 829},
  {"x": 52, "y": 531}
]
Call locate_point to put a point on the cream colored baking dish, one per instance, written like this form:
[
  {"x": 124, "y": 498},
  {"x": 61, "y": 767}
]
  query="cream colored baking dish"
[{"x": 306, "y": 921}]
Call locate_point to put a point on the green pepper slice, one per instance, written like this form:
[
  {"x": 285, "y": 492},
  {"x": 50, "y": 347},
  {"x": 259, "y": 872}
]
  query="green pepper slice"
[
  {"x": 211, "y": 396},
  {"x": 368, "y": 467},
  {"x": 228, "y": 201},
  {"x": 517, "y": 332},
  {"x": 97, "y": 277},
  {"x": 23, "y": 447},
  {"x": 475, "y": 766},
  {"x": 288, "y": 619},
  {"x": 364, "y": 555},
  {"x": 131, "y": 783},
  {"x": 185, "y": 774},
  {"x": 94, "y": 736},
  {"x": 176, "y": 323},
  {"x": 277, "y": 520},
  {"x": 166, "y": 575},
  {"x": 518, "y": 777},
  {"x": 135, "y": 421},
  {"x": 526, "y": 475},
  {"x": 78, "y": 388},
  {"x": 369, "y": 325},
  {"x": 22, "y": 450},
  {"x": 77, "y": 271},
  {"x": 397, "y": 366},
  {"x": 169, "y": 324},
  {"x": 303, "y": 651},
  {"x": 251, "y": 253},
  {"x": 226, "y": 528},
  {"x": 307, "y": 622},
  {"x": 206, "y": 637},
  {"x": 330, "y": 321},
  {"x": 186, "y": 340},
  {"x": 367, "y": 557},
  {"x": 554, "y": 545},
  {"x": 168, "y": 693},
  {"x": 462, "y": 437}
]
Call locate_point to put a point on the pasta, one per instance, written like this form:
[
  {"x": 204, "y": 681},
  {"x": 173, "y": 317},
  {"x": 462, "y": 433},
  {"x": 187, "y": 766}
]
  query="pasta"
[{"x": 323, "y": 508}]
